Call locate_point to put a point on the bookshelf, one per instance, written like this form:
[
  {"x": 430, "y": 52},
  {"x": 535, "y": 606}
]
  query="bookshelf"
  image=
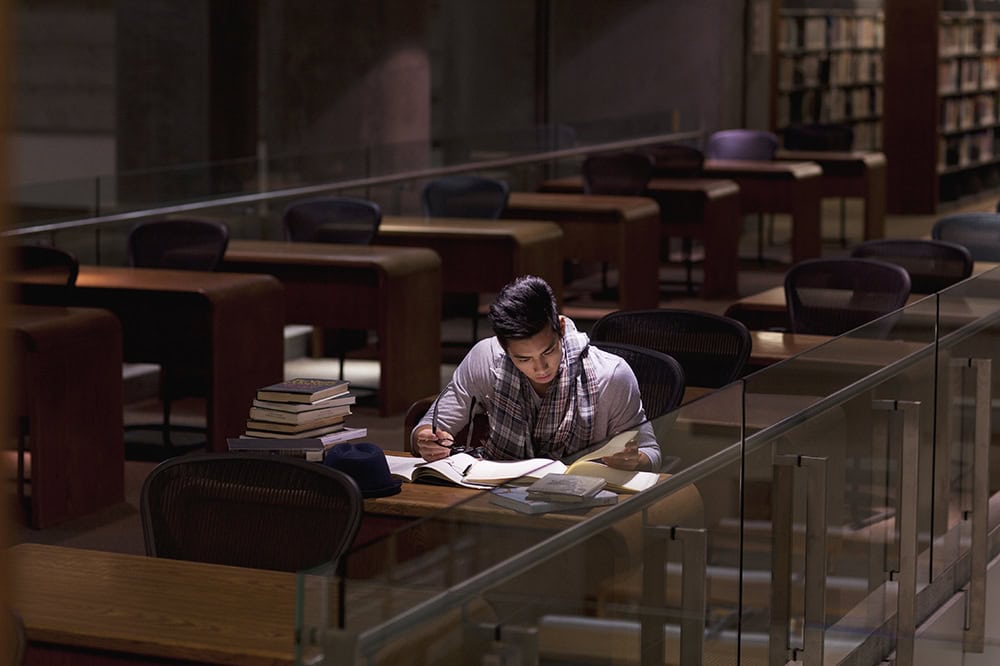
[{"x": 830, "y": 70}]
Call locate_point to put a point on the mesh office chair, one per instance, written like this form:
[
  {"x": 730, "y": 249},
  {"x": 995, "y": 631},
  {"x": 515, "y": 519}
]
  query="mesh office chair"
[
  {"x": 182, "y": 244},
  {"x": 675, "y": 160},
  {"x": 247, "y": 510},
  {"x": 334, "y": 220},
  {"x": 46, "y": 263},
  {"x": 713, "y": 350},
  {"x": 933, "y": 265},
  {"x": 833, "y": 296},
  {"x": 745, "y": 144},
  {"x": 979, "y": 233},
  {"x": 823, "y": 136},
  {"x": 465, "y": 196}
]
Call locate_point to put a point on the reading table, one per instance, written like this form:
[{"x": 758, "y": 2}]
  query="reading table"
[
  {"x": 231, "y": 324},
  {"x": 623, "y": 231},
  {"x": 481, "y": 256},
  {"x": 67, "y": 397},
  {"x": 362, "y": 286},
  {"x": 850, "y": 174},
  {"x": 703, "y": 208},
  {"x": 779, "y": 187}
]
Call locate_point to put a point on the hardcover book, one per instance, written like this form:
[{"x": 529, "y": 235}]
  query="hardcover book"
[
  {"x": 566, "y": 487},
  {"x": 257, "y": 424},
  {"x": 299, "y": 407},
  {"x": 315, "y": 432},
  {"x": 518, "y": 499},
  {"x": 303, "y": 390},
  {"x": 298, "y": 418}
]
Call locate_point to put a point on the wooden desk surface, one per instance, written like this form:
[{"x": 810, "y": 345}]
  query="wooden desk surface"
[
  {"x": 616, "y": 208},
  {"x": 231, "y": 323},
  {"x": 762, "y": 170},
  {"x": 134, "y": 605},
  {"x": 394, "y": 260},
  {"x": 862, "y": 158}
]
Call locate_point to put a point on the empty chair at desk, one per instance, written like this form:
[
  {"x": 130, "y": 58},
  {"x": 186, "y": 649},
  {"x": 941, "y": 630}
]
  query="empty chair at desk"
[
  {"x": 332, "y": 220},
  {"x": 465, "y": 196},
  {"x": 248, "y": 510},
  {"x": 186, "y": 244},
  {"x": 43, "y": 262},
  {"x": 745, "y": 144},
  {"x": 713, "y": 350},
  {"x": 979, "y": 233},
  {"x": 933, "y": 265},
  {"x": 823, "y": 137},
  {"x": 181, "y": 244},
  {"x": 833, "y": 296}
]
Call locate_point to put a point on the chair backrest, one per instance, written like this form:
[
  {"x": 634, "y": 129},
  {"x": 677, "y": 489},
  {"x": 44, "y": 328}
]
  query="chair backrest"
[
  {"x": 833, "y": 296},
  {"x": 47, "y": 263},
  {"x": 742, "y": 144},
  {"x": 247, "y": 510},
  {"x": 712, "y": 349},
  {"x": 932, "y": 264},
  {"x": 675, "y": 160},
  {"x": 186, "y": 244},
  {"x": 332, "y": 220},
  {"x": 824, "y": 136},
  {"x": 623, "y": 174},
  {"x": 660, "y": 377},
  {"x": 979, "y": 233},
  {"x": 465, "y": 196}
]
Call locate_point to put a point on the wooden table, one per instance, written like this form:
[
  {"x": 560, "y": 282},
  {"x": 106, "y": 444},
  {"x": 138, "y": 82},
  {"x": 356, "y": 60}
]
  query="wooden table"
[
  {"x": 624, "y": 231},
  {"x": 851, "y": 174},
  {"x": 93, "y": 607},
  {"x": 67, "y": 391},
  {"x": 481, "y": 256},
  {"x": 230, "y": 324},
  {"x": 392, "y": 290},
  {"x": 779, "y": 187},
  {"x": 702, "y": 208}
]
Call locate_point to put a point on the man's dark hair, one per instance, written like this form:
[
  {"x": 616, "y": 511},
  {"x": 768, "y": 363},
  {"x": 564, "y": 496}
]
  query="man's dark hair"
[{"x": 524, "y": 308}]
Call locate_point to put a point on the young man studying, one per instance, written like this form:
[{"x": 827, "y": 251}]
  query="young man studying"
[{"x": 546, "y": 392}]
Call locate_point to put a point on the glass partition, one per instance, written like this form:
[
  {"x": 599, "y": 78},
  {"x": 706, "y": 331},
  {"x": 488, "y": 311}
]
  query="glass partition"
[{"x": 819, "y": 508}]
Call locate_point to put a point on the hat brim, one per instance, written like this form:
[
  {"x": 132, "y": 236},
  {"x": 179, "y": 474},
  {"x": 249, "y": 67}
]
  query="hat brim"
[{"x": 385, "y": 491}]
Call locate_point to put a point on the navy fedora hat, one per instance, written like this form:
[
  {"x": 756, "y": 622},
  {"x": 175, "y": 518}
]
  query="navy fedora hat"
[{"x": 366, "y": 464}]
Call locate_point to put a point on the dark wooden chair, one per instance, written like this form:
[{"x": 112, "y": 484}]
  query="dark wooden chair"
[{"x": 250, "y": 510}]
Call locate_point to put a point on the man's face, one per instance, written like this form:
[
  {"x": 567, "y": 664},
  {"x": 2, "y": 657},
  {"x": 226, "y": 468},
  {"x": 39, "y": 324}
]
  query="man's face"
[{"x": 537, "y": 357}]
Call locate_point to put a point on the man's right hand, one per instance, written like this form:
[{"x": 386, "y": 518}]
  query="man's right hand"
[{"x": 433, "y": 446}]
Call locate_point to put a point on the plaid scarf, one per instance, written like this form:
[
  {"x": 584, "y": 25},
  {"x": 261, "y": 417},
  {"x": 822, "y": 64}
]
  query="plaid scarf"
[{"x": 565, "y": 418}]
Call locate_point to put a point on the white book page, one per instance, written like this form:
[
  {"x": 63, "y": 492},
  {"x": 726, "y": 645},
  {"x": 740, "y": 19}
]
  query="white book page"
[
  {"x": 614, "y": 445},
  {"x": 498, "y": 471},
  {"x": 618, "y": 479}
]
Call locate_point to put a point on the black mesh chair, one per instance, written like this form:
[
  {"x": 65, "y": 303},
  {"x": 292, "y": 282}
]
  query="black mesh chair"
[
  {"x": 933, "y": 265},
  {"x": 713, "y": 350},
  {"x": 46, "y": 263},
  {"x": 247, "y": 510},
  {"x": 979, "y": 233},
  {"x": 823, "y": 137},
  {"x": 471, "y": 197},
  {"x": 188, "y": 244},
  {"x": 675, "y": 160},
  {"x": 745, "y": 144},
  {"x": 833, "y": 296},
  {"x": 332, "y": 220},
  {"x": 181, "y": 244},
  {"x": 465, "y": 196}
]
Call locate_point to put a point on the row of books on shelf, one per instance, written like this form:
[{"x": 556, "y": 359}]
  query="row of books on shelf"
[
  {"x": 967, "y": 149},
  {"x": 968, "y": 35},
  {"x": 841, "y": 69},
  {"x": 302, "y": 416},
  {"x": 968, "y": 112},
  {"x": 867, "y": 134},
  {"x": 968, "y": 75},
  {"x": 828, "y": 106},
  {"x": 831, "y": 32}
]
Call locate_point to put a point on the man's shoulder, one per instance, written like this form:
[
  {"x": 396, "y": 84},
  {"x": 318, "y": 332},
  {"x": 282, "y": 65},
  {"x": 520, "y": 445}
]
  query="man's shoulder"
[{"x": 607, "y": 364}]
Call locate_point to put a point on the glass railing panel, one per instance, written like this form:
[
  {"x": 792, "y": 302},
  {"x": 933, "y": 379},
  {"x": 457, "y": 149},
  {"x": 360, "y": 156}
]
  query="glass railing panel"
[
  {"x": 822, "y": 415},
  {"x": 57, "y": 201},
  {"x": 443, "y": 572}
]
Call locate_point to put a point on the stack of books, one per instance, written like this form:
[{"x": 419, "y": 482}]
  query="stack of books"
[
  {"x": 299, "y": 416},
  {"x": 555, "y": 492}
]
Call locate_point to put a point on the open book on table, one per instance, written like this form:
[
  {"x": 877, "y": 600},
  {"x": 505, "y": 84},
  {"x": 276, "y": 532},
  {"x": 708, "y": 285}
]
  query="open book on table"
[{"x": 465, "y": 470}]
